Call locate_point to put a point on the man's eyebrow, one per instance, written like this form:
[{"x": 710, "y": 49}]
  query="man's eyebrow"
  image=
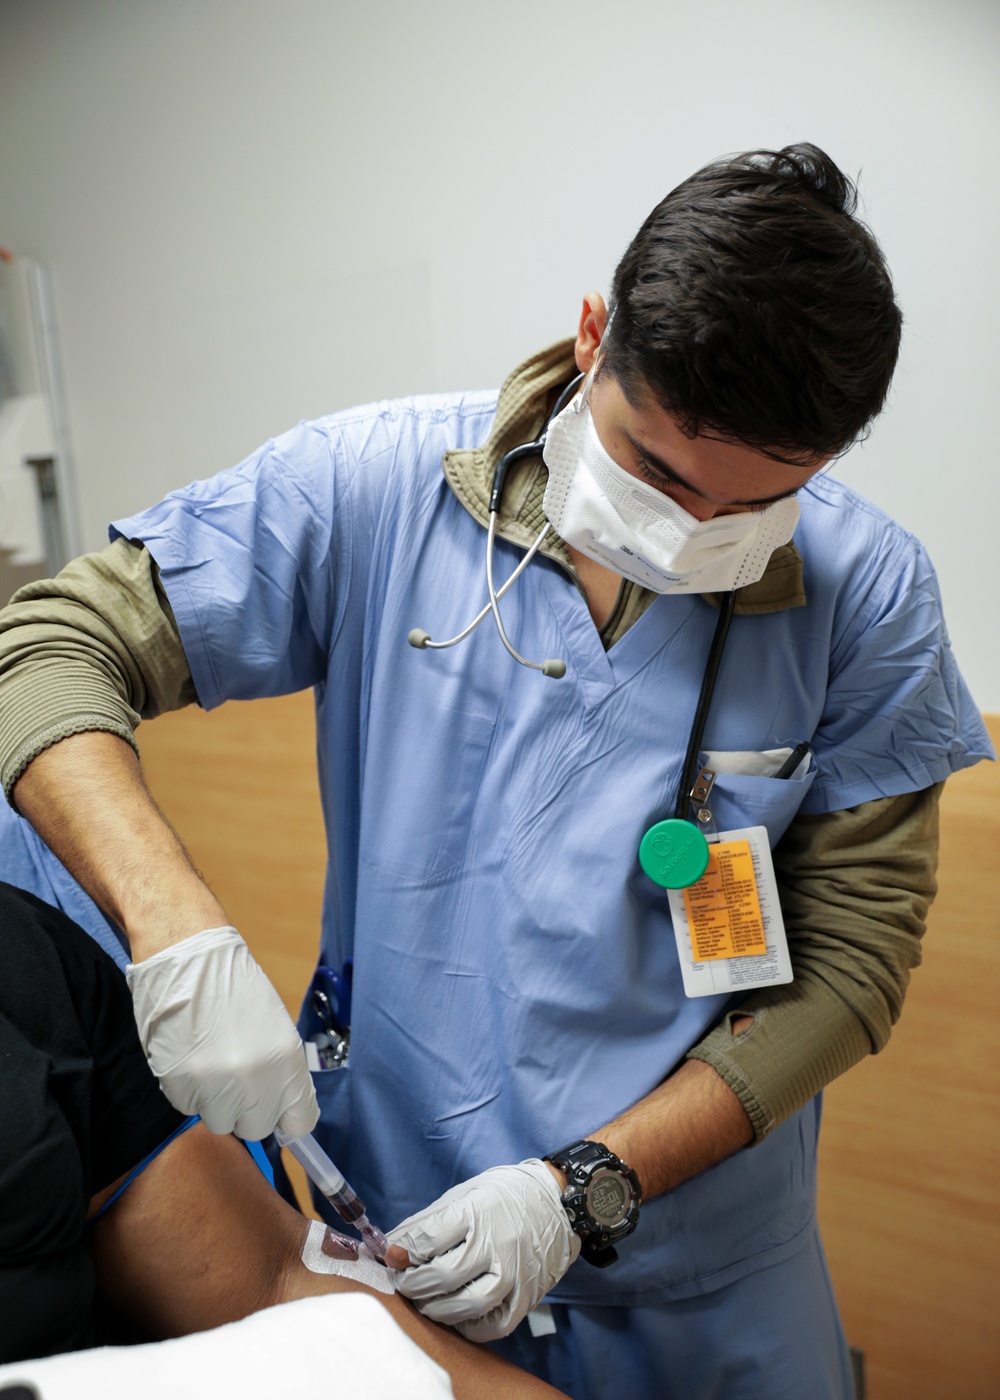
[{"x": 669, "y": 472}]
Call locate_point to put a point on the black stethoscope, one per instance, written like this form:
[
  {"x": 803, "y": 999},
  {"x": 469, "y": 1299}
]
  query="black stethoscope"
[{"x": 673, "y": 852}]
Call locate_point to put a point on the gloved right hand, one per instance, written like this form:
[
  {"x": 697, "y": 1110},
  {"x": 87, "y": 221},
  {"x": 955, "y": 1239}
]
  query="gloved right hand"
[
  {"x": 219, "y": 1040},
  {"x": 485, "y": 1253}
]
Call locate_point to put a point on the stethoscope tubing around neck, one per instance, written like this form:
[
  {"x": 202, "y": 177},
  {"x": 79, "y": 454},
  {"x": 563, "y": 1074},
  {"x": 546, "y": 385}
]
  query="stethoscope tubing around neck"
[
  {"x": 690, "y": 770},
  {"x": 529, "y": 449},
  {"x": 420, "y": 639}
]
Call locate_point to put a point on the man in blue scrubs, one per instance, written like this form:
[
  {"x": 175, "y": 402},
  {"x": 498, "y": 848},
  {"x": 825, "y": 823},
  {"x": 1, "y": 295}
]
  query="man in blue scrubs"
[{"x": 518, "y": 994}]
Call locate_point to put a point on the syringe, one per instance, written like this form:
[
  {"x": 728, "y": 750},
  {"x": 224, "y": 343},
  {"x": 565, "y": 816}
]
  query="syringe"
[{"x": 344, "y": 1199}]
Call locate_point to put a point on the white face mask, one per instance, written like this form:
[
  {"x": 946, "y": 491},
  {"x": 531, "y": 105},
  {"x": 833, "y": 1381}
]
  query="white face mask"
[{"x": 639, "y": 532}]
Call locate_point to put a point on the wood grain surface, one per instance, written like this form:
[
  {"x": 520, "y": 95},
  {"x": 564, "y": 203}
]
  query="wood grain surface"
[{"x": 909, "y": 1182}]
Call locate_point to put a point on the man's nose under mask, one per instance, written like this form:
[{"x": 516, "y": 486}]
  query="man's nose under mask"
[{"x": 640, "y": 533}]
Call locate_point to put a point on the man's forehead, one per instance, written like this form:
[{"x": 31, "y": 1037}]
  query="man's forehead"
[
  {"x": 708, "y": 465},
  {"x": 651, "y": 412}
]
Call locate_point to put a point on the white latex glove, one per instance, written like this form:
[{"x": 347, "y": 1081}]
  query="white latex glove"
[
  {"x": 488, "y": 1250},
  {"x": 219, "y": 1040}
]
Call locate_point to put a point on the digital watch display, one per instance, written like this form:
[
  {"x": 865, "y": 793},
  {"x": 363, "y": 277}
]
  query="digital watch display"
[{"x": 602, "y": 1198}]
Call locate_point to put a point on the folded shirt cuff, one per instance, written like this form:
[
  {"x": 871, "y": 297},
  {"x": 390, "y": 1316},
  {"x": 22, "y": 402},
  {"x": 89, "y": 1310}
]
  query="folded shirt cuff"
[
  {"x": 791, "y": 1051},
  {"x": 51, "y": 700}
]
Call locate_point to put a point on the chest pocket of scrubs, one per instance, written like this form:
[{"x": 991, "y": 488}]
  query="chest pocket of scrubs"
[
  {"x": 422, "y": 778},
  {"x": 740, "y": 799}
]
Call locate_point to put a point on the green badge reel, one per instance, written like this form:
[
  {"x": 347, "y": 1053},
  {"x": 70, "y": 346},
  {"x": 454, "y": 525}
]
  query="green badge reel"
[{"x": 674, "y": 854}]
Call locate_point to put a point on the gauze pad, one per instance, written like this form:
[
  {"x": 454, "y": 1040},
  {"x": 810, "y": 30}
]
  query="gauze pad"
[{"x": 364, "y": 1269}]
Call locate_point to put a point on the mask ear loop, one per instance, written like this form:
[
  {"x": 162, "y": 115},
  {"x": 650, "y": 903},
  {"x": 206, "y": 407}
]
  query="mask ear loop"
[
  {"x": 591, "y": 375},
  {"x": 582, "y": 399}
]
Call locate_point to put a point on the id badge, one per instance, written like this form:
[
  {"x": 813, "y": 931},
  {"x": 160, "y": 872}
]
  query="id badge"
[{"x": 728, "y": 926}]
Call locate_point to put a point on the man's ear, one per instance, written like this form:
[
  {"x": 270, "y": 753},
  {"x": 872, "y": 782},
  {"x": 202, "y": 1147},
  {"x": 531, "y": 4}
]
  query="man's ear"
[{"x": 593, "y": 319}]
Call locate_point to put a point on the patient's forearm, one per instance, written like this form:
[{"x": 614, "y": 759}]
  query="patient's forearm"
[
  {"x": 476, "y": 1373},
  {"x": 200, "y": 1239}
]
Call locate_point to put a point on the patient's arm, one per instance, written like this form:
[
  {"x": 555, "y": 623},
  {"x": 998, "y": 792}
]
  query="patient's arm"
[{"x": 200, "y": 1239}]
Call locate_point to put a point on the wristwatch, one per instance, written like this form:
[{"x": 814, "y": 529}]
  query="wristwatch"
[{"x": 602, "y": 1198}]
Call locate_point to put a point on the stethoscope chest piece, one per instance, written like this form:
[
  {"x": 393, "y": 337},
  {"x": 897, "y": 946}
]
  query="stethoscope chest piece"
[{"x": 674, "y": 854}]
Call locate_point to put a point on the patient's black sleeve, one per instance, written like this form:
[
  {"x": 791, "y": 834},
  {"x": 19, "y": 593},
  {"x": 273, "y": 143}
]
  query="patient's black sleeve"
[{"x": 79, "y": 1107}]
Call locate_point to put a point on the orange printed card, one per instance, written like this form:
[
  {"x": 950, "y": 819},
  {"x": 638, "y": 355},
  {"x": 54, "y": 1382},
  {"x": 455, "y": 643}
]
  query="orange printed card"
[{"x": 723, "y": 907}]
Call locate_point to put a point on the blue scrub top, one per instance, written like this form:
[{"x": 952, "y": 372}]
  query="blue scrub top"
[
  {"x": 516, "y": 980},
  {"x": 26, "y": 861}
]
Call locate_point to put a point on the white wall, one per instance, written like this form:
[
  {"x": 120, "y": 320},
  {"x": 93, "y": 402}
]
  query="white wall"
[{"x": 255, "y": 211}]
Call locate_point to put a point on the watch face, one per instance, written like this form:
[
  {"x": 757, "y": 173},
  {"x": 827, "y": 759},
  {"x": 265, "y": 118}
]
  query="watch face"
[{"x": 608, "y": 1197}]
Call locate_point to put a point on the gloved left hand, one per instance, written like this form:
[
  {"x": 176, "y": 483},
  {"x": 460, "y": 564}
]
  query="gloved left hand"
[
  {"x": 488, "y": 1250},
  {"x": 218, "y": 1038}
]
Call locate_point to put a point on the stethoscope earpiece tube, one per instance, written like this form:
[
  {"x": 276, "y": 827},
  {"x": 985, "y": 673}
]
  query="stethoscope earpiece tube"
[
  {"x": 553, "y": 667},
  {"x": 417, "y": 637},
  {"x": 529, "y": 449}
]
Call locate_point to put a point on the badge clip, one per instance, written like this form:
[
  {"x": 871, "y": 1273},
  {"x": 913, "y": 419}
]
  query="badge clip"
[{"x": 700, "y": 797}]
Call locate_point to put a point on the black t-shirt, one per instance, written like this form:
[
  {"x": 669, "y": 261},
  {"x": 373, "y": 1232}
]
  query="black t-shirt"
[{"x": 79, "y": 1107}]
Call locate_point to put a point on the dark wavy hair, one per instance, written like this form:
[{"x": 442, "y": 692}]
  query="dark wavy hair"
[{"x": 756, "y": 307}]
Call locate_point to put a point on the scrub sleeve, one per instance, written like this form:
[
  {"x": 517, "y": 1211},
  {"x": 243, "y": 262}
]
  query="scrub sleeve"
[{"x": 80, "y": 1107}]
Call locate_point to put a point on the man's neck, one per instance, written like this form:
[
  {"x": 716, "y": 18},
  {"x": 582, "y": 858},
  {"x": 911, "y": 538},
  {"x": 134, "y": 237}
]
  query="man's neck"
[{"x": 601, "y": 586}]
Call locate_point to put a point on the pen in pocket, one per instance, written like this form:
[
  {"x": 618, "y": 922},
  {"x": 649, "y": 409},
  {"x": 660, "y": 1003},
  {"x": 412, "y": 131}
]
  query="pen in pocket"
[{"x": 793, "y": 760}]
